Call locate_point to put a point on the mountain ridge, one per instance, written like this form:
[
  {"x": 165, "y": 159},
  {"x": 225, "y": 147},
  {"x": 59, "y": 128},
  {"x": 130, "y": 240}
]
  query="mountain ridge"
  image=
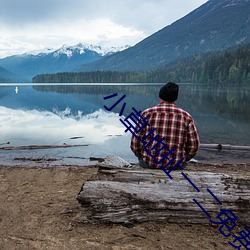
[
  {"x": 9, "y": 77},
  {"x": 65, "y": 58},
  {"x": 214, "y": 26},
  {"x": 228, "y": 67}
]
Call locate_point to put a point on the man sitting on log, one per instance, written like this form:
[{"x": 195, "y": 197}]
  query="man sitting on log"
[{"x": 167, "y": 136}]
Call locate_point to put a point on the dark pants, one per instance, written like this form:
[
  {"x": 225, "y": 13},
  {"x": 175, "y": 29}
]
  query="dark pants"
[{"x": 145, "y": 165}]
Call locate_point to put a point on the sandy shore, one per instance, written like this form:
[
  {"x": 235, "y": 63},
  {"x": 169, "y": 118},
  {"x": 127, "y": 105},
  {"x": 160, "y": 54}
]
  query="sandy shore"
[{"x": 38, "y": 210}]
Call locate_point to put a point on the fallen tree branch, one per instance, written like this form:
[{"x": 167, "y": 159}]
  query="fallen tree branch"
[
  {"x": 41, "y": 159},
  {"x": 29, "y": 147}
]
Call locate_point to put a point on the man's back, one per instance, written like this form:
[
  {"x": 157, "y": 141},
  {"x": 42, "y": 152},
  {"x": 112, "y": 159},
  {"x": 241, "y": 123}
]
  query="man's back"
[{"x": 173, "y": 136}]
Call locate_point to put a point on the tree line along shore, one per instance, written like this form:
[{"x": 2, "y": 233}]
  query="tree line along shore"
[{"x": 231, "y": 66}]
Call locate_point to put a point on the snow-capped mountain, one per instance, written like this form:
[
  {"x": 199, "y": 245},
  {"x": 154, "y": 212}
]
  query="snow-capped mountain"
[
  {"x": 81, "y": 48},
  {"x": 49, "y": 60}
]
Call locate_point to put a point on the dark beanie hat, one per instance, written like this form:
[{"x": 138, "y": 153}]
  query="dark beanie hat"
[{"x": 169, "y": 92}]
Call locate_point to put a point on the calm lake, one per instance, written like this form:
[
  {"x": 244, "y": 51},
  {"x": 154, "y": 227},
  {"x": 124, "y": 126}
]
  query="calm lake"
[{"x": 74, "y": 114}]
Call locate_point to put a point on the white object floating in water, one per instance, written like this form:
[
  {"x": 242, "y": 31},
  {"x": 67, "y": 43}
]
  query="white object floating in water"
[{"x": 16, "y": 90}]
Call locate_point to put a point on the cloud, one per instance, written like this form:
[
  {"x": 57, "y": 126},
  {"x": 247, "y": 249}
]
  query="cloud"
[
  {"x": 22, "y": 12},
  {"x": 37, "y": 23},
  {"x": 38, "y": 36},
  {"x": 142, "y": 14}
]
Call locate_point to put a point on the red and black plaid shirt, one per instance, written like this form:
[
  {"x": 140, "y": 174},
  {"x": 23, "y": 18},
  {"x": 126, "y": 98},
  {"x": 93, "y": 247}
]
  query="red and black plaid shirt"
[{"x": 178, "y": 129}]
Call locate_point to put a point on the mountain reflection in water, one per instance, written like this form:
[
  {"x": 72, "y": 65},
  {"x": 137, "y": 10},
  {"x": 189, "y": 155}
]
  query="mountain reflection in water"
[{"x": 52, "y": 114}]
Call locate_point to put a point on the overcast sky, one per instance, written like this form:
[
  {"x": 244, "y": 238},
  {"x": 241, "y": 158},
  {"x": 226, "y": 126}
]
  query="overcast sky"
[{"x": 27, "y": 25}]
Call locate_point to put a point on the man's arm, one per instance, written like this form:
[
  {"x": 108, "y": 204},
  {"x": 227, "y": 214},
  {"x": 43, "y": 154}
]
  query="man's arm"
[
  {"x": 193, "y": 141},
  {"x": 136, "y": 144}
]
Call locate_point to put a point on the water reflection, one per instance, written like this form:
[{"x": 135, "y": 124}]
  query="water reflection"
[
  {"x": 29, "y": 127},
  {"x": 51, "y": 114},
  {"x": 229, "y": 101}
]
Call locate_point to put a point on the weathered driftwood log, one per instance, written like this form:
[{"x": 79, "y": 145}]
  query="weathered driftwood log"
[
  {"x": 224, "y": 147},
  {"x": 119, "y": 195}
]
